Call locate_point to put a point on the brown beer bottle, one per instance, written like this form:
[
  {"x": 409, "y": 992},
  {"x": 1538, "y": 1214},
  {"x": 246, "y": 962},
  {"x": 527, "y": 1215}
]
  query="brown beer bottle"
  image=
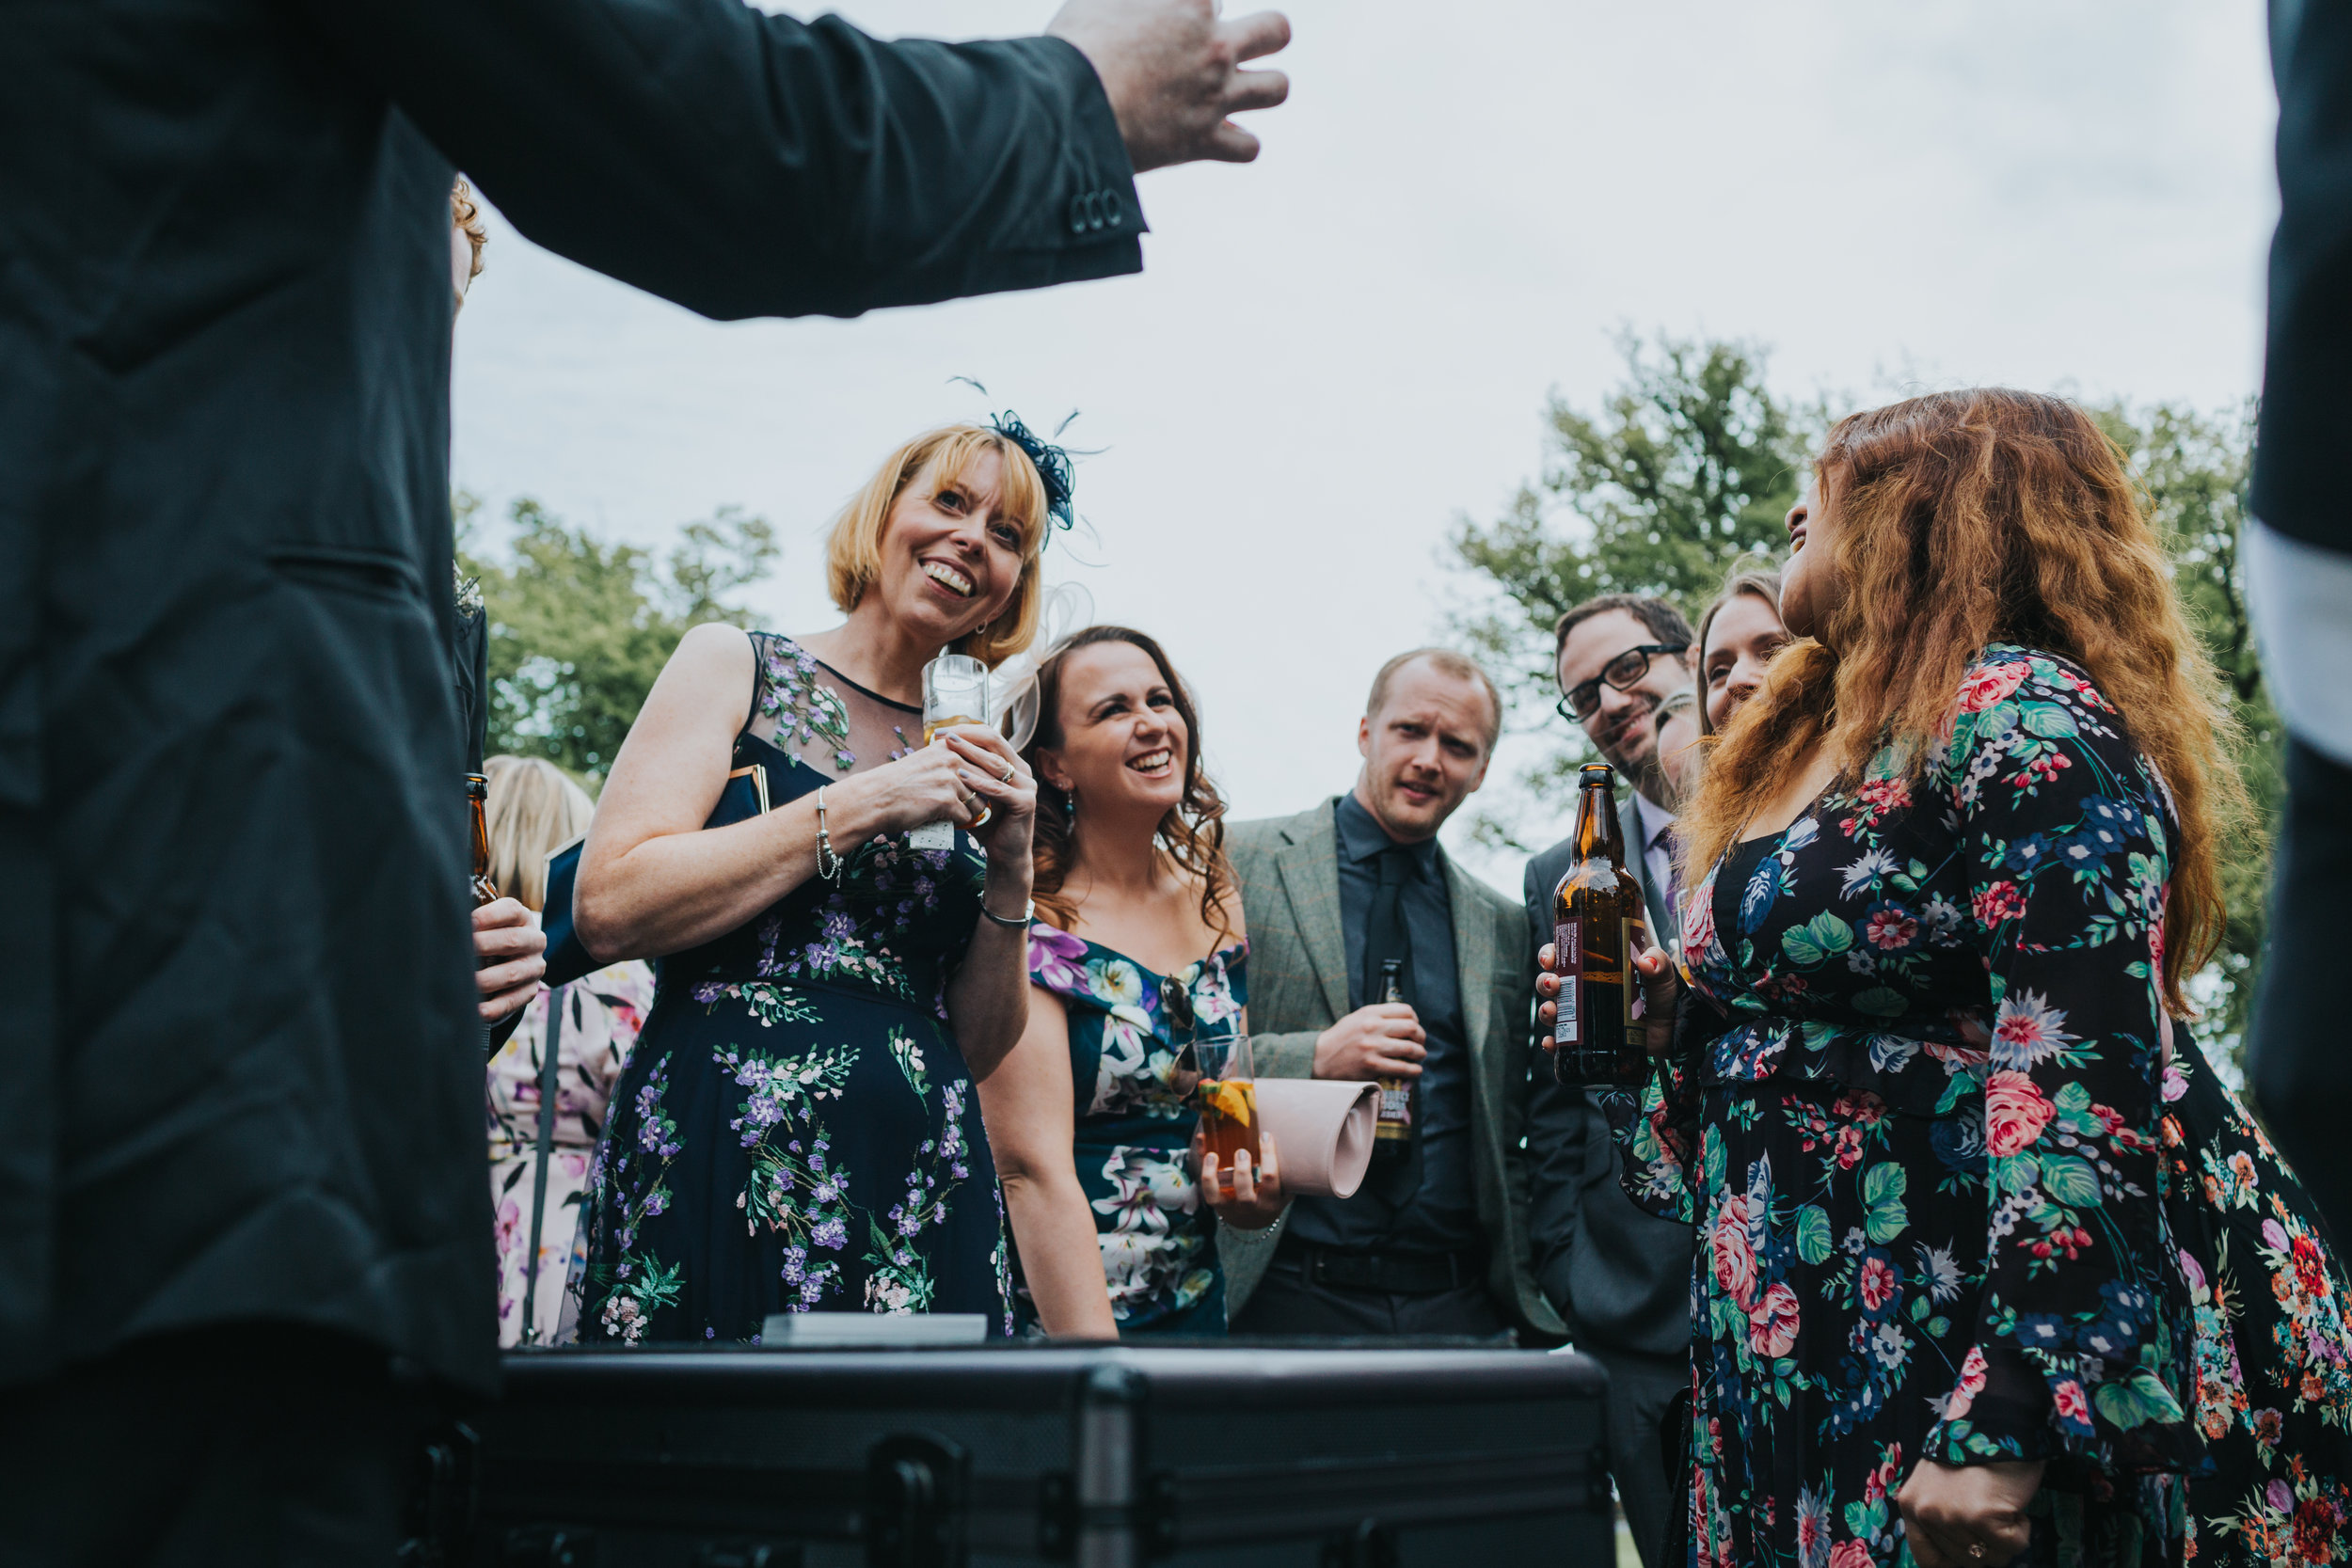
[
  {"x": 1597, "y": 922},
  {"x": 478, "y": 796},
  {"x": 1393, "y": 1131}
]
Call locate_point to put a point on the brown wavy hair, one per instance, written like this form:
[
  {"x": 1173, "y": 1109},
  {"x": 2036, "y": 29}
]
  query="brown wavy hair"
[
  {"x": 1967, "y": 518},
  {"x": 1192, "y": 833}
]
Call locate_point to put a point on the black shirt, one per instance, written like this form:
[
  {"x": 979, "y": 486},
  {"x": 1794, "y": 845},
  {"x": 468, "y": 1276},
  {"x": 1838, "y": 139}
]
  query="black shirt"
[{"x": 1441, "y": 1215}]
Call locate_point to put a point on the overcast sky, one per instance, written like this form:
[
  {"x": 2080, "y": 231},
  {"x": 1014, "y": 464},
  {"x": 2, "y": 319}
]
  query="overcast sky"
[{"x": 1334, "y": 351}]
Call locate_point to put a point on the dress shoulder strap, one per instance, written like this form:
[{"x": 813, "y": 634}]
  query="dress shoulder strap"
[{"x": 764, "y": 647}]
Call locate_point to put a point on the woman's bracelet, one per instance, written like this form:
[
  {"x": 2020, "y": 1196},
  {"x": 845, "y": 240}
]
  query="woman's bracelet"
[
  {"x": 825, "y": 850},
  {"x": 1028, "y": 912}
]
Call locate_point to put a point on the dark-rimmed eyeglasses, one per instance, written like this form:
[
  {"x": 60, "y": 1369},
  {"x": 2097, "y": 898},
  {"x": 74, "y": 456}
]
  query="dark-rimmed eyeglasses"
[{"x": 1621, "y": 673}]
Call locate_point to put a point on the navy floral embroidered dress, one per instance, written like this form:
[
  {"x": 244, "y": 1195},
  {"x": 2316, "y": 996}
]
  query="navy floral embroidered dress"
[
  {"x": 1133, "y": 1128},
  {"x": 796, "y": 1130},
  {"x": 2273, "y": 1393},
  {"x": 1922, "y": 1147}
]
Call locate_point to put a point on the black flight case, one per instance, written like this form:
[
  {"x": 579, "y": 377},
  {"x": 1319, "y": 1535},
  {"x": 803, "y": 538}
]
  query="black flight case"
[{"x": 1103, "y": 1457}]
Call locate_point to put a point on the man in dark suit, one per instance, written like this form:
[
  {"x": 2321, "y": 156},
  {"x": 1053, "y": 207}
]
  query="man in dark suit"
[
  {"x": 243, "y": 1069},
  {"x": 1436, "y": 1243},
  {"x": 2299, "y": 556},
  {"x": 1621, "y": 1275}
]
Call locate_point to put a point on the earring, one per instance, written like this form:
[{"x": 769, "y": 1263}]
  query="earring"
[{"x": 1069, "y": 799}]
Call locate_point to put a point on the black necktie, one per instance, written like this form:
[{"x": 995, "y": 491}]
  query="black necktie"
[
  {"x": 1386, "y": 937},
  {"x": 1385, "y": 933}
]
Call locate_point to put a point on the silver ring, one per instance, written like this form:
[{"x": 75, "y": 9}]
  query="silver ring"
[
  {"x": 1976, "y": 1550},
  {"x": 1006, "y": 777}
]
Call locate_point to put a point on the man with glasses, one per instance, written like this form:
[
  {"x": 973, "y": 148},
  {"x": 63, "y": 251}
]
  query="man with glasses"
[{"x": 1620, "y": 1275}]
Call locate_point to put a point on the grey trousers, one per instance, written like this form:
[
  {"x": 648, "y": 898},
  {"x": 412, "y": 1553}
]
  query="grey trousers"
[{"x": 1640, "y": 1388}]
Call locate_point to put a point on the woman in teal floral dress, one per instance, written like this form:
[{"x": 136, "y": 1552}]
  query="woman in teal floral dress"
[
  {"x": 1134, "y": 1123},
  {"x": 1951, "y": 865},
  {"x": 797, "y": 1129},
  {"x": 2273, "y": 1357},
  {"x": 1137, "y": 952}
]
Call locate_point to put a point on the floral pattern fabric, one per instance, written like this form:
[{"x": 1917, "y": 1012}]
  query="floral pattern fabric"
[
  {"x": 797, "y": 1131},
  {"x": 2273, "y": 1391},
  {"x": 1133, "y": 1130},
  {"x": 602, "y": 1015},
  {"x": 1922, "y": 1143}
]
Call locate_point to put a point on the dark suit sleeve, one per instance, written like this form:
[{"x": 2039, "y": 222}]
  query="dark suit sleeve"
[
  {"x": 742, "y": 165},
  {"x": 2300, "y": 1073},
  {"x": 2306, "y": 408}
]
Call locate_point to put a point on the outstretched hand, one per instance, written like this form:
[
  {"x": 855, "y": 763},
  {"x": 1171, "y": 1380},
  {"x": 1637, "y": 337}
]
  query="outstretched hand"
[{"x": 1172, "y": 71}]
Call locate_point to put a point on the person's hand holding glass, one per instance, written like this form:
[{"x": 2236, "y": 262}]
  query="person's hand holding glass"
[
  {"x": 956, "y": 717},
  {"x": 1240, "y": 1177}
]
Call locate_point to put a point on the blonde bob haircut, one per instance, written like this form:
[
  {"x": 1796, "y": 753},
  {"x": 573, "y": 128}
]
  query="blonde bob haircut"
[
  {"x": 533, "y": 808},
  {"x": 853, "y": 549}
]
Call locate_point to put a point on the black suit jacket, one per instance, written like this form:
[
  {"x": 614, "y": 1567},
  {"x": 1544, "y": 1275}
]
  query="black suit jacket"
[
  {"x": 1620, "y": 1275},
  {"x": 2306, "y": 422},
  {"x": 2298, "y": 1069},
  {"x": 241, "y": 1070}
]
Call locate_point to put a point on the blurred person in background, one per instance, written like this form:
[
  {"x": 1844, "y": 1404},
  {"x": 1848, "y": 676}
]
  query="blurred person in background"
[
  {"x": 1619, "y": 1275},
  {"x": 797, "y": 1129},
  {"x": 2273, "y": 1353},
  {"x": 1138, "y": 949},
  {"x": 2299, "y": 576},
  {"x": 535, "y": 810},
  {"x": 1433, "y": 1241}
]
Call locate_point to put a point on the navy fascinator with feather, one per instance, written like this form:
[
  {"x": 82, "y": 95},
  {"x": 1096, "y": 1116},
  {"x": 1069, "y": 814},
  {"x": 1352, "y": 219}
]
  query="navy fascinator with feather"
[{"x": 1051, "y": 462}]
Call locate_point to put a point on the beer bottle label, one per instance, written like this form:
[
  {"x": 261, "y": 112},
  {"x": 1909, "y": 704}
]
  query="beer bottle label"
[
  {"x": 1568, "y": 939},
  {"x": 1629, "y": 935}
]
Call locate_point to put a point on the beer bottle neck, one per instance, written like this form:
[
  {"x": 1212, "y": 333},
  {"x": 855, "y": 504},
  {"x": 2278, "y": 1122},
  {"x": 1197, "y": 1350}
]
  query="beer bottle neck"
[{"x": 1597, "y": 835}]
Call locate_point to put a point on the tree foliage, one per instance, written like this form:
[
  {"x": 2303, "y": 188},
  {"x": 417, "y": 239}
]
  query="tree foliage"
[
  {"x": 580, "y": 628},
  {"x": 2194, "y": 468},
  {"x": 1684, "y": 473},
  {"x": 1687, "y": 471}
]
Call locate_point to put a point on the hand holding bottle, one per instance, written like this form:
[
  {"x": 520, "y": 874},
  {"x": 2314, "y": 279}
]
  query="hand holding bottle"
[
  {"x": 1662, "y": 989},
  {"x": 1382, "y": 1040}
]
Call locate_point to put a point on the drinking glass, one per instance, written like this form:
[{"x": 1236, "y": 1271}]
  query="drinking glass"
[
  {"x": 955, "y": 691},
  {"x": 1228, "y": 1097}
]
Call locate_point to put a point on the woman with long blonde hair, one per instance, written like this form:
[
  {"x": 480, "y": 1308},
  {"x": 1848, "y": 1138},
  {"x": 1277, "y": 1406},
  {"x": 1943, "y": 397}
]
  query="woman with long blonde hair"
[{"x": 1950, "y": 868}]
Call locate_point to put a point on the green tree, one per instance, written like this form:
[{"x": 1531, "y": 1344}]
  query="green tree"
[
  {"x": 580, "y": 628},
  {"x": 2194, "y": 468}
]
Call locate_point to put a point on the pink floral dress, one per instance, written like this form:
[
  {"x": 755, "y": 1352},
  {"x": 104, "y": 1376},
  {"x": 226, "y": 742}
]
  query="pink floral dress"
[{"x": 602, "y": 1016}]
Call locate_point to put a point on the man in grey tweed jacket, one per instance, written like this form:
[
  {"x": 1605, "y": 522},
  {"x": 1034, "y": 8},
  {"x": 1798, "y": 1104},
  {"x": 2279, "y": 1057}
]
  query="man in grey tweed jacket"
[{"x": 1436, "y": 1243}]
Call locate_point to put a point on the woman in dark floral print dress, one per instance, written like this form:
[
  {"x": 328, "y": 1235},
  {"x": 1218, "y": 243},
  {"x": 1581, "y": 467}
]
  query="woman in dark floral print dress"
[
  {"x": 1948, "y": 869},
  {"x": 797, "y": 1129},
  {"x": 2273, "y": 1356}
]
